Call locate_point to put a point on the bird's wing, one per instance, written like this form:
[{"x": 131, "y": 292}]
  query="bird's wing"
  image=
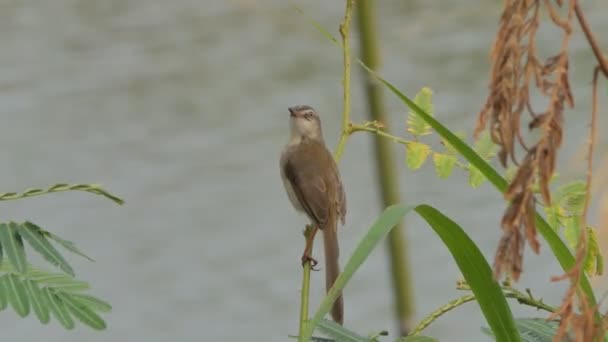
[{"x": 307, "y": 177}]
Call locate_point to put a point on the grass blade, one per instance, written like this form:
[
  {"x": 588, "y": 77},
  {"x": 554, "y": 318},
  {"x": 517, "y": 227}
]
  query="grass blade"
[
  {"x": 387, "y": 220},
  {"x": 339, "y": 333},
  {"x": 476, "y": 271},
  {"x": 13, "y": 246},
  {"x": 34, "y": 235}
]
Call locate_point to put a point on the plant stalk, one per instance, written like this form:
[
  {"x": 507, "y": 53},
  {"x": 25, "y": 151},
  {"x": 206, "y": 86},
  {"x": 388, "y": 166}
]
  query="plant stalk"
[{"x": 386, "y": 171}]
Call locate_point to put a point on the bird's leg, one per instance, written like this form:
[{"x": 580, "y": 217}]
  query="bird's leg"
[{"x": 306, "y": 256}]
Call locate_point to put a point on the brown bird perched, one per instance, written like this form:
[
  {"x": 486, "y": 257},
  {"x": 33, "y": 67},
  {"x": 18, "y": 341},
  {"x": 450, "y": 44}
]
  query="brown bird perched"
[{"x": 312, "y": 182}]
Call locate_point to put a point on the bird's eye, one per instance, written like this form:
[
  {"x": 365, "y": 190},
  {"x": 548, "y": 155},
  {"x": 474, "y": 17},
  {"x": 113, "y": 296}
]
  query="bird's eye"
[{"x": 308, "y": 115}]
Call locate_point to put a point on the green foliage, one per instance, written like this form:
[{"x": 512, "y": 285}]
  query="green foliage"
[
  {"x": 417, "y": 339},
  {"x": 565, "y": 211},
  {"x": 533, "y": 329},
  {"x": 444, "y": 164},
  {"x": 339, "y": 333},
  {"x": 559, "y": 249},
  {"x": 47, "y": 294},
  {"x": 417, "y": 153},
  {"x": 468, "y": 257},
  {"x": 415, "y": 124},
  {"x": 50, "y": 293}
]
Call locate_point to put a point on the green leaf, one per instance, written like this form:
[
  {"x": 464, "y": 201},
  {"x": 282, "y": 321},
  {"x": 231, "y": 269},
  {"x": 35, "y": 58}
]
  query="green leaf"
[
  {"x": 58, "y": 309},
  {"x": 571, "y": 197},
  {"x": 417, "y": 153},
  {"x": 444, "y": 164},
  {"x": 553, "y": 216},
  {"x": 594, "y": 261},
  {"x": 92, "y": 302},
  {"x": 82, "y": 312},
  {"x": 3, "y": 294},
  {"x": 339, "y": 333},
  {"x": 533, "y": 329},
  {"x": 387, "y": 220},
  {"x": 415, "y": 124},
  {"x": 571, "y": 230},
  {"x": 33, "y": 234},
  {"x": 449, "y": 149},
  {"x": 17, "y": 295},
  {"x": 485, "y": 147},
  {"x": 69, "y": 245},
  {"x": 476, "y": 272},
  {"x": 13, "y": 245},
  {"x": 417, "y": 338},
  {"x": 38, "y": 301},
  {"x": 476, "y": 177},
  {"x": 559, "y": 249}
]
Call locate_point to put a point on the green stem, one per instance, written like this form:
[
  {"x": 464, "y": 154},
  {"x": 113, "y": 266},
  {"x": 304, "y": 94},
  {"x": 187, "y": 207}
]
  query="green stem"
[
  {"x": 387, "y": 176},
  {"x": 305, "y": 331},
  {"x": 509, "y": 292},
  {"x": 345, "y": 32},
  {"x": 304, "y": 301}
]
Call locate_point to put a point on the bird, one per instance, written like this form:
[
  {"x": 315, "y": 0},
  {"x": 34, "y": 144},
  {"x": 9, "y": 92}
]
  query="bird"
[{"x": 312, "y": 182}]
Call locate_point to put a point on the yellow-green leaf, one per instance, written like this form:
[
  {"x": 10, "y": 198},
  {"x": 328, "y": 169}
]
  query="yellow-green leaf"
[
  {"x": 417, "y": 153},
  {"x": 571, "y": 230},
  {"x": 476, "y": 177},
  {"x": 444, "y": 164},
  {"x": 415, "y": 124},
  {"x": 594, "y": 261},
  {"x": 484, "y": 146},
  {"x": 13, "y": 245}
]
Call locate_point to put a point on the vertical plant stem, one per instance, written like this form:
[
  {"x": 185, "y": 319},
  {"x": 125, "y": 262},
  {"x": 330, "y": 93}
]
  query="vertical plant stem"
[
  {"x": 345, "y": 32},
  {"x": 304, "y": 333},
  {"x": 304, "y": 301},
  {"x": 387, "y": 176}
]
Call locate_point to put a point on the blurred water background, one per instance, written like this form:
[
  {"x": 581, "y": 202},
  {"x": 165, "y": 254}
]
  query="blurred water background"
[{"x": 180, "y": 108}]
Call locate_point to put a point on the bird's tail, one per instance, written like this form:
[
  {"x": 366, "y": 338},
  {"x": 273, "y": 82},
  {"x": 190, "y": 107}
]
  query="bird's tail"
[{"x": 332, "y": 268}]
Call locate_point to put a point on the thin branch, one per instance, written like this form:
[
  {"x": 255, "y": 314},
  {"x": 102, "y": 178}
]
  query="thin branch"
[
  {"x": 597, "y": 51},
  {"x": 345, "y": 32}
]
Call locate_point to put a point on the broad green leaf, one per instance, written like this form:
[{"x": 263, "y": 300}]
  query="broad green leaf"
[
  {"x": 58, "y": 309},
  {"x": 17, "y": 294},
  {"x": 3, "y": 294},
  {"x": 387, "y": 220},
  {"x": 417, "y": 153},
  {"x": 559, "y": 249},
  {"x": 484, "y": 146},
  {"x": 533, "y": 329},
  {"x": 69, "y": 245},
  {"x": 82, "y": 312},
  {"x": 339, "y": 333},
  {"x": 444, "y": 164},
  {"x": 33, "y": 234},
  {"x": 38, "y": 300},
  {"x": 415, "y": 124},
  {"x": 92, "y": 302},
  {"x": 13, "y": 246},
  {"x": 476, "y": 272},
  {"x": 417, "y": 338},
  {"x": 476, "y": 177}
]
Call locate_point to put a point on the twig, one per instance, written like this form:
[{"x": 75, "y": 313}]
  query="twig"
[
  {"x": 305, "y": 294},
  {"x": 597, "y": 51},
  {"x": 344, "y": 32},
  {"x": 508, "y": 292}
]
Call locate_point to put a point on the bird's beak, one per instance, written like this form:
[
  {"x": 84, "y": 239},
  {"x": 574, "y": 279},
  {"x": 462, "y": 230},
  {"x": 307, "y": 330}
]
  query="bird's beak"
[{"x": 292, "y": 113}]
